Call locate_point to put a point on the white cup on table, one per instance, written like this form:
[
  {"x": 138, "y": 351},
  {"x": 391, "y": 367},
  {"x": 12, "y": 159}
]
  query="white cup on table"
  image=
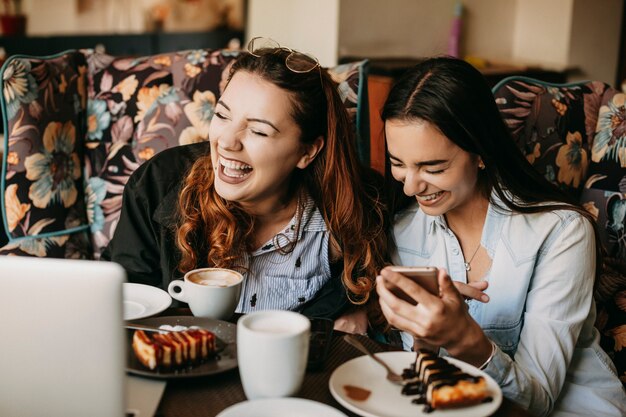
[
  {"x": 210, "y": 292},
  {"x": 272, "y": 352}
]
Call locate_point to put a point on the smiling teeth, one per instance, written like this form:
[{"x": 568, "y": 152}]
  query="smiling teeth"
[
  {"x": 429, "y": 197},
  {"x": 234, "y": 164}
]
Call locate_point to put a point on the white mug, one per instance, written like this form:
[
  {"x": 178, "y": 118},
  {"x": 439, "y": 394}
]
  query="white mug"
[
  {"x": 210, "y": 292},
  {"x": 272, "y": 352}
]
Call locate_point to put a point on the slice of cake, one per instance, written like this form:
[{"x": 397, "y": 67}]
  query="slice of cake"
[
  {"x": 441, "y": 384},
  {"x": 173, "y": 349}
]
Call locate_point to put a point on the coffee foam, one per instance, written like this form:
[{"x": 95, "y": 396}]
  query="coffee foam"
[{"x": 216, "y": 278}]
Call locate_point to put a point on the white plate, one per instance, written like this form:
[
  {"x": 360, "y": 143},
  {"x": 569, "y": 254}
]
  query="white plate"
[
  {"x": 386, "y": 399},
  {"x": 280, "y": 407},
  {"x": 142, "y": 301}
]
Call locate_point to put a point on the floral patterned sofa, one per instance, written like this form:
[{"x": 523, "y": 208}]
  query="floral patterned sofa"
[
  {"x": 79, "y": 123},
  {"x": 575, "y": 135}
]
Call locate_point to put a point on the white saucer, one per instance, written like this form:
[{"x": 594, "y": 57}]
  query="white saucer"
[
  {"x": 280, "y": 407},
  {"x": 142, "y": 301}
]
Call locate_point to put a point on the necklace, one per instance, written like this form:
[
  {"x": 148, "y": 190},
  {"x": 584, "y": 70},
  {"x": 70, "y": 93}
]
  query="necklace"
[{"x": 468, "y": 267}]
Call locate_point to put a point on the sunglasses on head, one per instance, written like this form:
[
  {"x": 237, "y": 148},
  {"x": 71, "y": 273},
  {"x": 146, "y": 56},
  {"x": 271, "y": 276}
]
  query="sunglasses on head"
[{"x": 296, "y": 61}]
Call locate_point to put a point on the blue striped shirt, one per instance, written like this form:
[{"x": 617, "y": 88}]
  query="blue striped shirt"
[{"x": 285, "y": 281}]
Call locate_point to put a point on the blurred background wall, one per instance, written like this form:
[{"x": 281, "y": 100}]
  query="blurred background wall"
[{"x": 581, "y": 37}]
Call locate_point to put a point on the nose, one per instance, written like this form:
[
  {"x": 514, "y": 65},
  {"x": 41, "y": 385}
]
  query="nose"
[
  {"x": 413, "y": 183},
  {"x": 229, "y": 138}
]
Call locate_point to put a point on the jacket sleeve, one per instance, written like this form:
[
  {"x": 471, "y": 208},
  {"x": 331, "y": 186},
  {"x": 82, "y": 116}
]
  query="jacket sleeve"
[
  {"x": 143, "y": 240},
  {"x": 135, "y": 244}
]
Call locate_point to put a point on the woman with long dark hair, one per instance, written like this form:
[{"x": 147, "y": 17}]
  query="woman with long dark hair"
[
  {"x": 481, "y": 213},
  {"x": 277, "y": 193}
]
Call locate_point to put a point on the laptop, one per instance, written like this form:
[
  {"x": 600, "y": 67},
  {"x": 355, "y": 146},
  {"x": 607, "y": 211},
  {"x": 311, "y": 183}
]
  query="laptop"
[{"x": 63, "y": 344}]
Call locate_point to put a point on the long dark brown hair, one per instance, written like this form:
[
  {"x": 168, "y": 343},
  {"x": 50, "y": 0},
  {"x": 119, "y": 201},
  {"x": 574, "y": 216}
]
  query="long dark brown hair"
[
  {"x": 454, "y": 97},
  {"x": 215, "y": 232}
]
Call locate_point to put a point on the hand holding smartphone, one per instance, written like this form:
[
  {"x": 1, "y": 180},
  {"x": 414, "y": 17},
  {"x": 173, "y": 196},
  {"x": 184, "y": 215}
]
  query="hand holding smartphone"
[{"x": 424, "y": 276}]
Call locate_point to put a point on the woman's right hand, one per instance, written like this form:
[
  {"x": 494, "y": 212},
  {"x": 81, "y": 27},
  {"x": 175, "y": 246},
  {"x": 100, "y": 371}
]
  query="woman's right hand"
[{"x": 439, "y": 320}]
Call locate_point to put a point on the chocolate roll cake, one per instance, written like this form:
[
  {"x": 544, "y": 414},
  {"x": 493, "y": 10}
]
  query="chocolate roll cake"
[{"x": 441, "y": 384}]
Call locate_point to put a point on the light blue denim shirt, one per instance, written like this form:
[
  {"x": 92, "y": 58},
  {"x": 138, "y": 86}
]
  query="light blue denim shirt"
[{"x": 541, "y": 311}]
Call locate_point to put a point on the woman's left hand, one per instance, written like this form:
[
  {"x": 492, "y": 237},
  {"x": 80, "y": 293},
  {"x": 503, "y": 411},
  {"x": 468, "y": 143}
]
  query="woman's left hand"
[
  {"x": 439, "y": 320},
  {"x": 473, "y": 290},
  {"x": 354, "y": 321}
]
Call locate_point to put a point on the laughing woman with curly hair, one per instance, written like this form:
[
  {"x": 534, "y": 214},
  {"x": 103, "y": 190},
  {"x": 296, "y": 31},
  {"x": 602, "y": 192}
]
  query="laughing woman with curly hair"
[{"x": 277, "y": 193}]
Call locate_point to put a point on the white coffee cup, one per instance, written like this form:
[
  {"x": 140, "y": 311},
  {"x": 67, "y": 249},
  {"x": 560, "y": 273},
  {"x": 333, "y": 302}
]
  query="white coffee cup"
[
  {"x": 210, "y": 292},
  {"x": 272, "y": 352}
]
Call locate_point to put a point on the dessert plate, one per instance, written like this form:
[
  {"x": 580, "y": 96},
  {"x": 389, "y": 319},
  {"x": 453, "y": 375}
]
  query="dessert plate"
[
  {"x": 280, "y": 407},
  {"x": 225, "y": 360},
  {"x": 386, "y": 399},
  {"x": 144, "y": 301}
]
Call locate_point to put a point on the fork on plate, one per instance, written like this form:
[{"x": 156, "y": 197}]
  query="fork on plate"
[{"x": 392, "y": 376}]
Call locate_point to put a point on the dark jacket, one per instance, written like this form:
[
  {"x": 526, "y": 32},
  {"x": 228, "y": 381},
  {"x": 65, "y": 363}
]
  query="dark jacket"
[{"x": 144, "y": 238}]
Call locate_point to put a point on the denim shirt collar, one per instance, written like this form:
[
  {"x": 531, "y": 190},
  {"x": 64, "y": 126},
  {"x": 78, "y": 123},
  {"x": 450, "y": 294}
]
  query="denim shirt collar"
[{"x": 497, "y": 214}]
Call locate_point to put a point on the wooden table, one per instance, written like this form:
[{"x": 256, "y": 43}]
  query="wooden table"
[{"x": 207, "y": 396}]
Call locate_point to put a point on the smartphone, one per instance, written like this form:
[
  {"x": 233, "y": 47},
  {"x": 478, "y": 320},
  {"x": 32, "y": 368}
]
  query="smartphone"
[{"x": 425, "y": 276}]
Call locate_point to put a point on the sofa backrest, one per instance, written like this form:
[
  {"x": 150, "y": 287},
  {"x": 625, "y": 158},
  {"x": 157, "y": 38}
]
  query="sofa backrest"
[
  {"x": 575, "y": 135},
  {"x": 79, "y": 123}
]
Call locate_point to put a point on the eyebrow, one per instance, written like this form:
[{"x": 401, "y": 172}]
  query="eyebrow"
[
  {"x": 252, "y": 119},
  {"x": 423, "y": 163}
]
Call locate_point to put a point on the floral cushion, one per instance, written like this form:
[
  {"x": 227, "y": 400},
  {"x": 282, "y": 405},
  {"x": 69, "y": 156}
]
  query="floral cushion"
[
  {"x": 609, "y": 209},
  {"x": 553, "y": 125},
  {"x": 608, "y": 154},
  {"x": 575, "y": 135},
  {"x": 43, "y": 104},
  {"x": 136, "y": 107}
]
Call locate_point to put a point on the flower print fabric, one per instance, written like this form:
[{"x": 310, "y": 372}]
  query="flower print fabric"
[
  {"x": 19, "y": 86},
  {"x": 98, "y": 119},
  {"x": 16, "y": 210},
  {"x": 200, "y": 111},
  {"x": 548, "y": 123},
  {"x": 610, "y": 141},
  {"x": 46, "y": 108},
  {"x": 572, "y": 161},
  {"x": 54, "y": 170},
  {"x": 96, "y": 190}
]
